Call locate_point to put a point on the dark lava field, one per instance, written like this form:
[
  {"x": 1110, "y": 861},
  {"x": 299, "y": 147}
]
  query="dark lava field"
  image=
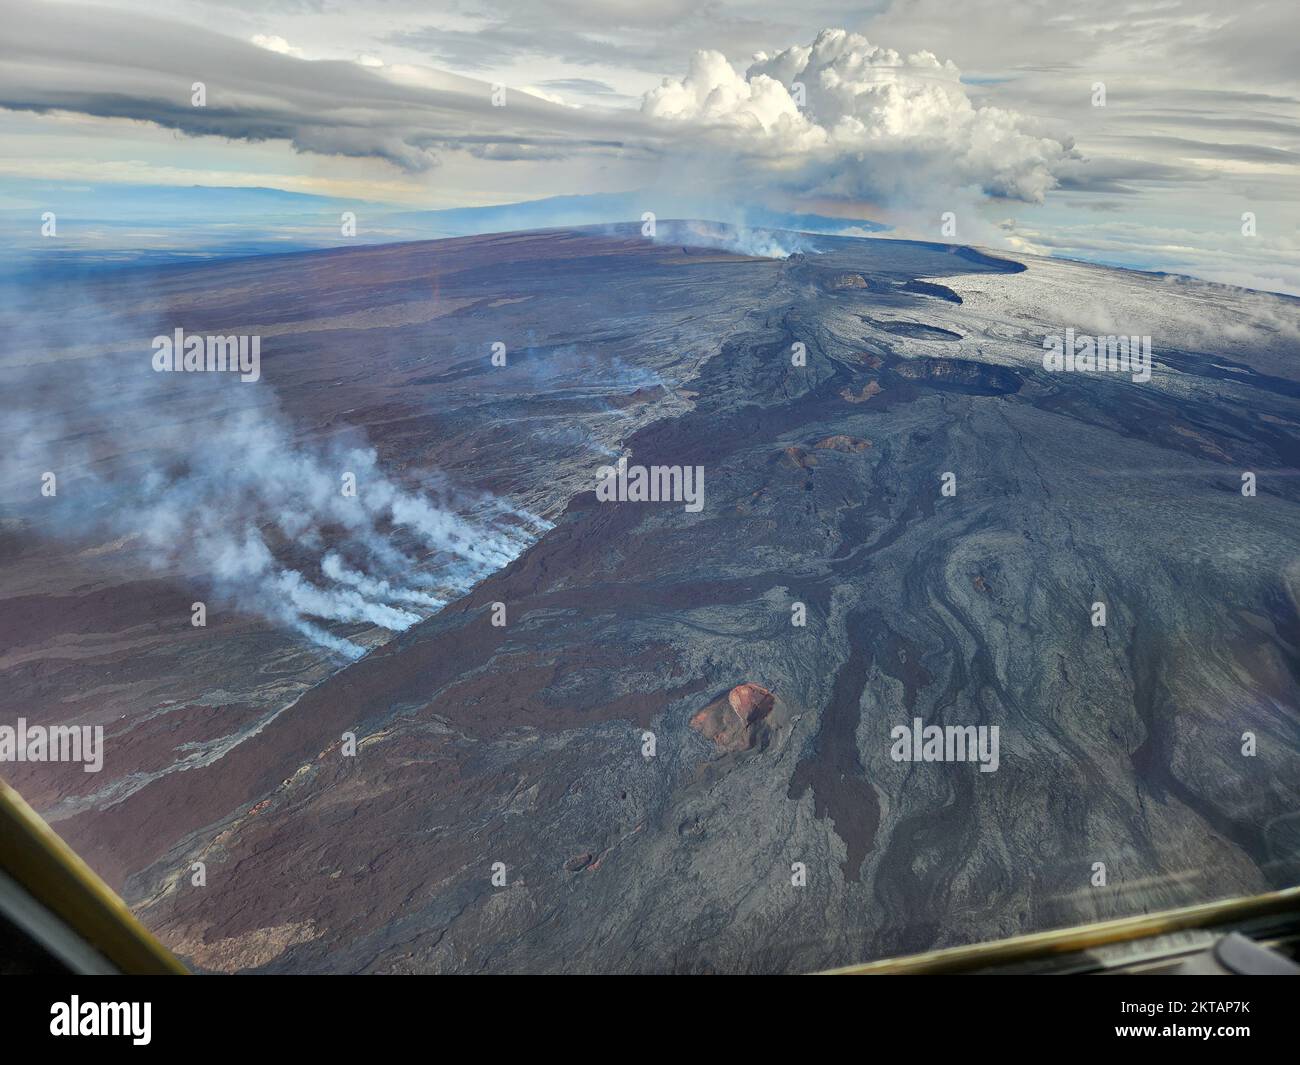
[{"x": 580, "y": 788}]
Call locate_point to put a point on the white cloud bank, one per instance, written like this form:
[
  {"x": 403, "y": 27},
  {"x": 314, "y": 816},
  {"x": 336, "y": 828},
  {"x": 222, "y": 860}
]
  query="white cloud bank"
[{"x": 873, "y": 124}]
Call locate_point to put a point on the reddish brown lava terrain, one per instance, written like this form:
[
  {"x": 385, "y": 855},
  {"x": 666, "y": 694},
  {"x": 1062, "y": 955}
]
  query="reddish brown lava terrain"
[{"x": 610, "y": 745}]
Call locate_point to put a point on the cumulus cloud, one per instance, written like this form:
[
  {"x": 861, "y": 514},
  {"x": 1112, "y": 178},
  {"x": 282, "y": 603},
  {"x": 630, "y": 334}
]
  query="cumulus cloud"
[
  {"x": 549, "y": 97},
  {"x": 274, "y": 43},
  {"x": 844, "y": 117}
]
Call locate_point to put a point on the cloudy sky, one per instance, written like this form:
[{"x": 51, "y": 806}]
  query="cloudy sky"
[{"x": 1135, "y": 132}]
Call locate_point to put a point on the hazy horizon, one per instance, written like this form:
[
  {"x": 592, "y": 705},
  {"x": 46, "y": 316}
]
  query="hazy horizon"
[{"x": 1058, "y": 134}]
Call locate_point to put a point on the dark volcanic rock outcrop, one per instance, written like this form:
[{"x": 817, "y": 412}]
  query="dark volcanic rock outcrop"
[{"x": 960, "y": 374}]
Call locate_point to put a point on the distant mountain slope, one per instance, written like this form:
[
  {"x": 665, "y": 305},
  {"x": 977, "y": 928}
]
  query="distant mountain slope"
[{"x": 112, "y": 225}]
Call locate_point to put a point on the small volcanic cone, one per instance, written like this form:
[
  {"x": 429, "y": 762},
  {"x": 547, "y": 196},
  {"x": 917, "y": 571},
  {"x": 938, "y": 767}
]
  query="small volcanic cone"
[
  {"x": 738, "y": 722},
  {"x": 840, "y": 442},
  {"x": 750, "y": 701},
  {"x": 799, "y": 458},
  {"x": 843, "y": 281},
  {"x": 871, "y": 388}
]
